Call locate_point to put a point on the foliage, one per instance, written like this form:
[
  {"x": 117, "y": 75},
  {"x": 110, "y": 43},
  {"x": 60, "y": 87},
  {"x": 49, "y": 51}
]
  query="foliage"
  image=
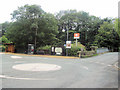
[
  {"x": 47, "y": 47},
  {"x": 3, "y": 39},
  {"x": 31, "y": 21},
  {"x": 2, "y": 48},
  {"x": 5, "y": 26},
  {"x": 80, "y": 22},
  {"x": 74, "y": 49},
  {"x": 117, "y": 26},
  {"x": 107, "y": 37},
  {"x": 86, "y": 56}
]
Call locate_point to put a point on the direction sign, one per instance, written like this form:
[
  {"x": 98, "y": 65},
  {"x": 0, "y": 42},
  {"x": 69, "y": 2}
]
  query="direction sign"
[
  {"x": 76, "y": 35},
  {"x": 68, "y": 44}
]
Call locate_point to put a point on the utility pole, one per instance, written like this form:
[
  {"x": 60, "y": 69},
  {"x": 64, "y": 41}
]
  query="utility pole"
[
  {"x": 35, "y": 37},
  {"x": 67, "y": 40}
]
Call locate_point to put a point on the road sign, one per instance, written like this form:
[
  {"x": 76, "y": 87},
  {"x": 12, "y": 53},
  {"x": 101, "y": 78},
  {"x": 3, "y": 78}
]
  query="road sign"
[
  {"x": 76, "y": 35},
  {"x": 68, "y": 44}
]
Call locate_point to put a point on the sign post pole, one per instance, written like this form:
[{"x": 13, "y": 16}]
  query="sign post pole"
[
  {"x": 76, "y": 41},
  {"x": 68, "y": 45},
  {"x": 76, "y": 36}
]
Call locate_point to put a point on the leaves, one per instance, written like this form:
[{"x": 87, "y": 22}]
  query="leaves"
[
  {"x": 31, "y": 21},
  {"x": 107, "y": 37},
  {"x": 117, "y": 26},
  {"x": 3, "y": 39}
]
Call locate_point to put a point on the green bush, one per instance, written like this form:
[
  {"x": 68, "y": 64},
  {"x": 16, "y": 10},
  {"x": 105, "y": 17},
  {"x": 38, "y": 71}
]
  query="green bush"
[
  {"x": 47, "y": 47},
  {"x": 3, "y": 39},
  {"x": 2, "y": 48},
  {"x": 74, "y": 49},
  {"x": 86, "y": 56}
]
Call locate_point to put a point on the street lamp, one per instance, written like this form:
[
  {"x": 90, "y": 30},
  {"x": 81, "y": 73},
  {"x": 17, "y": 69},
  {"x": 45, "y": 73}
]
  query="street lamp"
[
  {"x": 66, "y": 40},
  {"x": 63, "y": 30}
]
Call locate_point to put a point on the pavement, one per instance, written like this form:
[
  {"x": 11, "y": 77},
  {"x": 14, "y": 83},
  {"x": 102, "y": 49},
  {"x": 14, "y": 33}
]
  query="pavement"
[{"x": 60, "y": 72}]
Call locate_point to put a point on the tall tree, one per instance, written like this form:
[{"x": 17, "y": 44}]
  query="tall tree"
[
  {"x": 117, "y": 25},
  {"x": 80, "y": 22},
  {"x": 4, "y": 27},
  {"x": 107, "y": 37},
  {"x": 32, "y": 25}
]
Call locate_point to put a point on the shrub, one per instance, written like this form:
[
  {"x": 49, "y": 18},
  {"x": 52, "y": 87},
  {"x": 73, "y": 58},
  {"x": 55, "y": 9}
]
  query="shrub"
[
  {"x": 45, "y": 48},
  {"x": 3, "y": 39},
  {"x": 74, "y": 49},
  {"x": 2, "y": 48}
]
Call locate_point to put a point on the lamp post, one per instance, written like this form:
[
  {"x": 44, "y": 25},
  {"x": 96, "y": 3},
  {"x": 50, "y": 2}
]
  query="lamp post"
[
  {"x": 66, "y": 40},
  {"x": 35, "y": 25},
  {"x": 67, "y": 28}
]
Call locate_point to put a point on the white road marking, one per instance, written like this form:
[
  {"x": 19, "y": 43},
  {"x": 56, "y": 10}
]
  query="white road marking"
[
  {"x": 37, "y": 67},
  {"x": 16, "y": 57},
  {"x": 116, "y": 65},
  {"x": 85, "y": 67},
  {"x": 2, "y": 53},
  {"x": 19, "y": 62},
  {"x": 109, "y": 65},
  {"x": 105, "y": 64},
  {"x": 8, "y": 77}
]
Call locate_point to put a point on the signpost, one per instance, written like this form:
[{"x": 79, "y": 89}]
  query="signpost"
[
  {"x": 58, "y": 50},
  {"x": 76, "y": 36},
  {"x": 68, "y": 44}
]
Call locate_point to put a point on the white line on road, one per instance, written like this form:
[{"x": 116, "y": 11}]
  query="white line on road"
[
  {"x": 8, "y": 77},
  {"x": 19, "y": 62},
  {"x": 85, "y": 67},
  {"x": 116, "y": 65},
  {"x": 16, "y": 57},
  {"x": 109, "y": 65},
  {"x": 1, "y": 53}
]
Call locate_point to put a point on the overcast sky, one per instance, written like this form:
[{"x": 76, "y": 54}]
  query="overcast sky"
[{"x": 99, "y": 8}]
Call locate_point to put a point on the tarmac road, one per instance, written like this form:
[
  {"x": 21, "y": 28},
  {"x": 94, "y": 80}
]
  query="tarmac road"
[{"x": 93, "y": 72}]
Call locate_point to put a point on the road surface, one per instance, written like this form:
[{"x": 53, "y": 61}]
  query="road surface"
[{"x": 20, "y": 71}]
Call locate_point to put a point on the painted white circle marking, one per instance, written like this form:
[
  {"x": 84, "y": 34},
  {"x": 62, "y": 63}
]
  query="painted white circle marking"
[
  {"x": 36, "y": 67},
  {"x": 16, "y": 57},
  {"x": 1, "y": 53}
]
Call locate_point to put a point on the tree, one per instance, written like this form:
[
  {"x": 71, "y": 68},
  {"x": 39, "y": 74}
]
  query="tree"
[
  {"x": 3, "y": 40},
  {"x": 80, "y": 22},
  {"x": 5, "y": 26},
  {"x": 32, "y": 25},
  {"x": 117, "y": 26},
  {"x": 107, "y": 37}
]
